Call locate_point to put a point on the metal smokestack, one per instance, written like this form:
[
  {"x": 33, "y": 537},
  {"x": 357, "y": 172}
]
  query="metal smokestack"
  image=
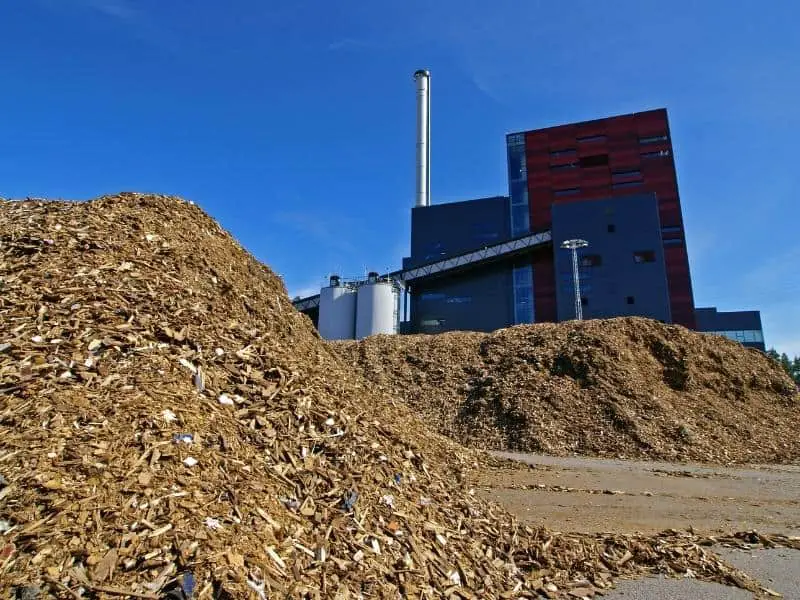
[{"x": 423, "y": 79}]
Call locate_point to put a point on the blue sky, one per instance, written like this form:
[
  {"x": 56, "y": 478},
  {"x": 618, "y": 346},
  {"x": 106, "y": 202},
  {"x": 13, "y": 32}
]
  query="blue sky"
[{"x": 293, "y": 123}]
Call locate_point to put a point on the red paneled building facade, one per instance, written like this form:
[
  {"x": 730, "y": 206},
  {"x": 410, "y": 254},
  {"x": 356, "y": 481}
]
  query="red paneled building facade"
[{"x": 606, "y": 158}]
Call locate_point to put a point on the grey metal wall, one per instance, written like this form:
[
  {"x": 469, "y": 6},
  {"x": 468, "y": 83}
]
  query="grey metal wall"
[
  {"x": 479, "y": 300},
  {"x": 615, "y": 228},
  {"x": 443, "y": 230}
]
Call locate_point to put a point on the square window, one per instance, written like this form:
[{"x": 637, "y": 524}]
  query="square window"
[
  {"x": 644, "y": 256},
  {"x": 584, "y": 301},
  {"x": 611, "y": 228},
  {"x": 630, "y": 300}
]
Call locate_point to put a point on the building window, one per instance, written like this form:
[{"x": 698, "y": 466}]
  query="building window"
[
  {"x": 459, "y": 300},
  {"x": 626, "y": 184},
  {"x": 622, "y": 175},
  {"x": 568, "y": 192},
  {"x": 630, "y": 300},
  {"x": 563, "y": 153},
  {"x": 644, "y": 256},
  {"x": 656, "y": 154},
  {"x": 652, "y": 139},
  {"x": 520, "y": 220},
  {"x": 598, "y": 160},
  {"x": 518, "y": 185},
  {"x": 670, "y": 230},
  {"x": 564, "y": 167},
  {"x": 591, "y": 260},
  {"x": 591, "y": 138},
  {"x": 522, "y": 278},
  {"x": 677, "y": 242},
  {"x": 584, "y": 301},
  {"x": 518, "y": 190},
  {"x": 752, "y": 336},
  {"x": 611, "y": 228}
]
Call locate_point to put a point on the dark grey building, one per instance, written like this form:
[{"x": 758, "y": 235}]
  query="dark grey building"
[
  {"x": 480, "y": 299},
  {"x": 442, "y": 230},
  {"x": 622, "y": 271},
  {"x": 742, "y": 326}
]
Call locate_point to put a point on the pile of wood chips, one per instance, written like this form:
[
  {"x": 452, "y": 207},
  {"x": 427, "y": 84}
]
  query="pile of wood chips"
[
  {"x": 626, "y": 388},
  {"x": 170, "y": 427}
]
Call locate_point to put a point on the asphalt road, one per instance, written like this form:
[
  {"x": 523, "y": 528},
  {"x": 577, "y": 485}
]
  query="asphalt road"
[{"x": 778, "y": 569}]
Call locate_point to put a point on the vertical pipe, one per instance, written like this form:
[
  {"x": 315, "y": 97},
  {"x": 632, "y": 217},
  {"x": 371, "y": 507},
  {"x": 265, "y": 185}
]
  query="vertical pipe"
[
  {"x": 577, "y": 283},
  {"x": 422, "y": 78}
]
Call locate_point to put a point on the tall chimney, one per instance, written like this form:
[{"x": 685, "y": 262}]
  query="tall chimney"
[{"x": 423, "y": 79}]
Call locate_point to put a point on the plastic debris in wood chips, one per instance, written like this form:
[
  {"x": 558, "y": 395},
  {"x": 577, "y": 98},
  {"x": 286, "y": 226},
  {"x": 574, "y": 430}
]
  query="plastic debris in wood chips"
[
  {"x": 123, "y": 322},
  {"x": 626, "y": 387}
]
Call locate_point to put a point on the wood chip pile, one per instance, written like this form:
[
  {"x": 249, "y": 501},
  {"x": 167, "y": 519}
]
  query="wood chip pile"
[
  {"x": 627, "y": 387},
  {"x": 170, "y": 427}
]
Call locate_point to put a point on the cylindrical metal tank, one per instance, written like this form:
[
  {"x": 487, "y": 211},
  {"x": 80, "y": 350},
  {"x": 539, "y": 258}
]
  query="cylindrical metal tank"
[
  {"x": 376, "y": 311},
  {"x": 337, "y": 311}
]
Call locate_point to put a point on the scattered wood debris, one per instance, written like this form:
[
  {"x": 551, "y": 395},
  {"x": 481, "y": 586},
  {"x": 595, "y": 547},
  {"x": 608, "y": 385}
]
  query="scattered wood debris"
[{"x": 308, "y": 484}]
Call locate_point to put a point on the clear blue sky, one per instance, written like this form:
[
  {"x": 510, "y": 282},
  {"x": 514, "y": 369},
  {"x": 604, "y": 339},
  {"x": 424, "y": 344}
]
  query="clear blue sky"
[{"x": 292, "y": 122}]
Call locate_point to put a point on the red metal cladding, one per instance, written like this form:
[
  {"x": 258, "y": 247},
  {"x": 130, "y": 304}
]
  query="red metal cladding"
[{"x": 617, "y": 156}]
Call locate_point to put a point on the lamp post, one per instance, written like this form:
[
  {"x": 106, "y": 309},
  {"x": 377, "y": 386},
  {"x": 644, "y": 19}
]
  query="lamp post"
[{"x": 572, "y": 246}]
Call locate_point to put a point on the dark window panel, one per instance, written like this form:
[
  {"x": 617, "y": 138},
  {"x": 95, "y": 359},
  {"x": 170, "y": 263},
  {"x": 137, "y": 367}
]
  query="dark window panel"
[
  {"x": 652, "y": 139},
  {"x": 626, "y": 184},
  {"x": 563, "y": 153},
  {"x": 588, "y": 139},
  {"x": 597, "y": 160}
]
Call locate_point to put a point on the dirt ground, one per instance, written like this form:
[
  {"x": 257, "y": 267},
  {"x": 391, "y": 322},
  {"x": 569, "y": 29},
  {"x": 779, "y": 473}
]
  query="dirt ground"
[{"x": 599, "y": 495}]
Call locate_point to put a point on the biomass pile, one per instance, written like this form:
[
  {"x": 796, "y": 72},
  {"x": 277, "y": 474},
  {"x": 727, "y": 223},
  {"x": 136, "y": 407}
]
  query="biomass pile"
[
  {"x": 170, "y": 428},
  {"x": 627, "y": 387}
]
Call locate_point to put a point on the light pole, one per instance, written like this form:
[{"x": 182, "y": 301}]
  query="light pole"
[{"x": 572, "y": 246}]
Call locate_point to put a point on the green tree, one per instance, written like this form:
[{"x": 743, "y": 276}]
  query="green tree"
[
  {"x": 792, "y": 367},
  {"x": 786, "y": 363}
]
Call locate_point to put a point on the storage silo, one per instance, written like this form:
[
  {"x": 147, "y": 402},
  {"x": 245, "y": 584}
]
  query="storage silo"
[
  {"x": 337, "y": 311},
  {"x": 376, "y": 311}
]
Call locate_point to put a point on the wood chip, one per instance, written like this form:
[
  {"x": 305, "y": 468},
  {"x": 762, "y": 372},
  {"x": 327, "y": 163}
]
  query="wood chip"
[{"x": 98, "y": 482}]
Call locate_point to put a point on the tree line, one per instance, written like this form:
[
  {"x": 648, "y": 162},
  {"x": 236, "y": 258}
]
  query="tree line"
[{"x": 792, "y": 367}]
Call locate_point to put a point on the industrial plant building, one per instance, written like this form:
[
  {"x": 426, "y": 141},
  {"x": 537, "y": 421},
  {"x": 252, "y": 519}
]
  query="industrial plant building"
[{"x": 498, "y": 261}]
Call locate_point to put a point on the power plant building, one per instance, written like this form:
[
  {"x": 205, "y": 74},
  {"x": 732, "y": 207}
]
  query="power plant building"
[{"x": 489, "y": 263}]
